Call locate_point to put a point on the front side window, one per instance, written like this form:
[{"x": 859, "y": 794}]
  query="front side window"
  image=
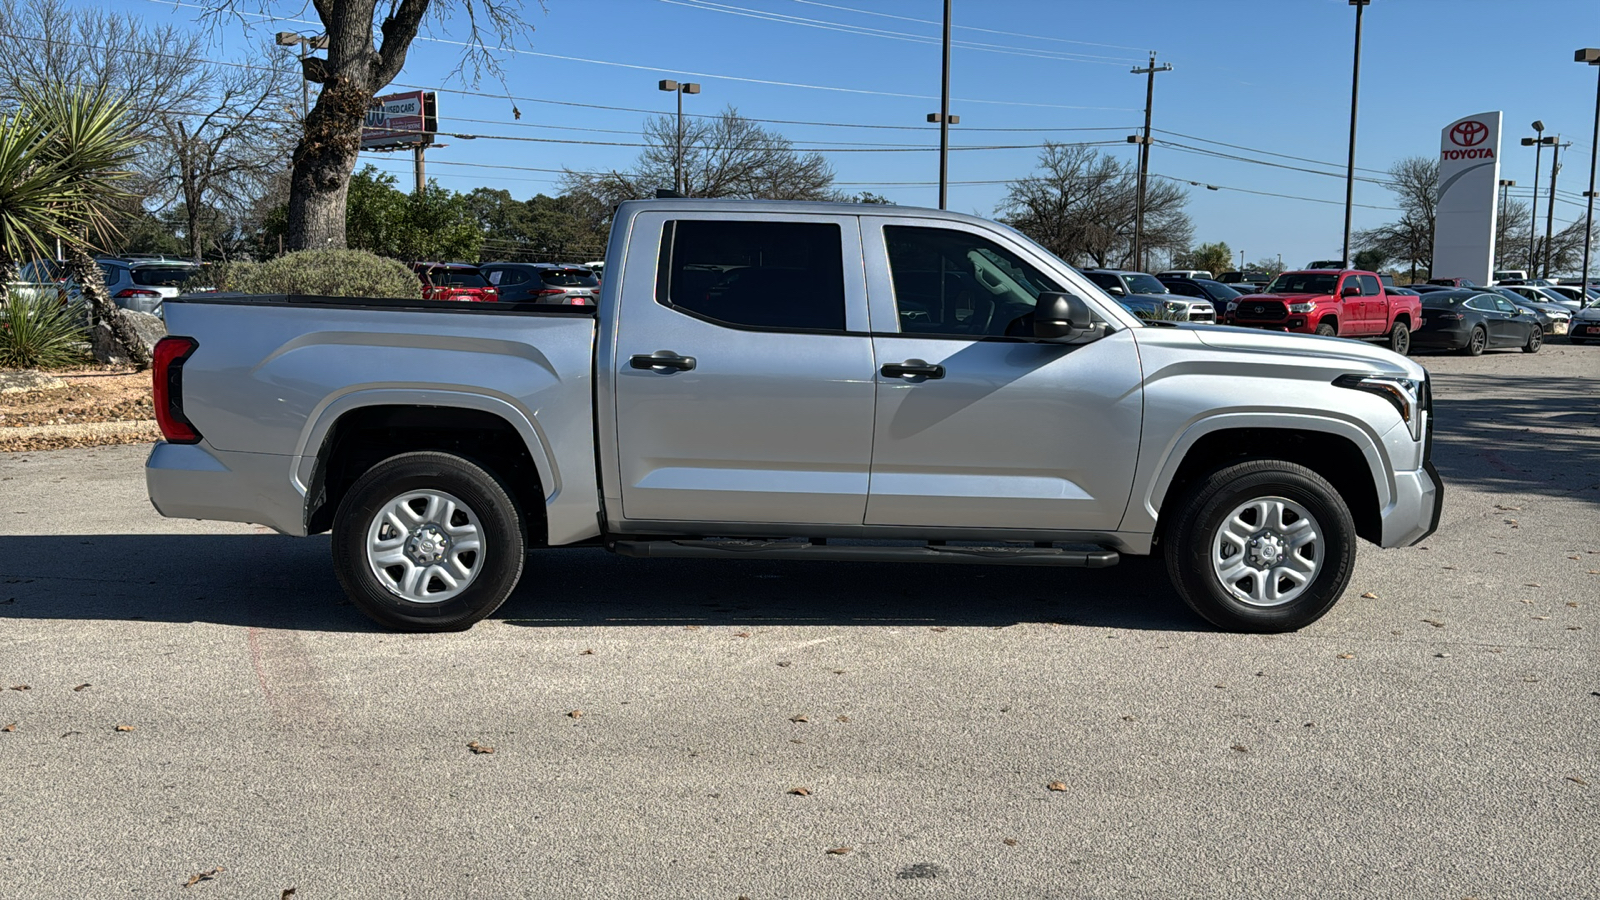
[
  {"x": 949, "y": 282},
  {"x": 786, "y": 276}
]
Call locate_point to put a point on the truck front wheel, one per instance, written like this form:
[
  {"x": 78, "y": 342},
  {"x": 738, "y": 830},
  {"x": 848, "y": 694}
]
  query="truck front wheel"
[
  {"x": 1327, "y": 330},
  {"x": 428, "y": 541},
  {"x": 1262, "y": 546}
]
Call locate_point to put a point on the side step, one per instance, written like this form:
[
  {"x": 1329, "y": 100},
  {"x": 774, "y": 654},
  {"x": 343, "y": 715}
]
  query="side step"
[{"x": 981, "y": 555}]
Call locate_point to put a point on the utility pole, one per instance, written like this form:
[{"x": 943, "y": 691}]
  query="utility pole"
[
  {"x": 944, "y": 114},
  {"x": 1350, "y": 167},
  {"x": 1550, "y": 208},
  {"x": 1144, "y": 154}
]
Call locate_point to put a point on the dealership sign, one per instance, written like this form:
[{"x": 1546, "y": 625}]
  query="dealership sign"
[
  {"x": 1469, "y": 176},
  {"x": 403, "y": 120}
]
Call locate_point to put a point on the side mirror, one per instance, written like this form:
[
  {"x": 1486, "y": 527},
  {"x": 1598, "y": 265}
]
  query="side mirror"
[
  {"x": 1061, "y": 316},
  {"x": 1115, "y": 291},
  {"x": 1351, "y": 290}
]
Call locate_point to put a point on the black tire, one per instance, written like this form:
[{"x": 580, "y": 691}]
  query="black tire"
[
  {"x": 493, "y": 570},
  {"x": 1400, "y": 338},
  {"x": 1327, "y": 330},
  {"x": 1535, "y": 340},
  {"x": 1476, "y": 342},
  {"x": 1202, "y": 511}
]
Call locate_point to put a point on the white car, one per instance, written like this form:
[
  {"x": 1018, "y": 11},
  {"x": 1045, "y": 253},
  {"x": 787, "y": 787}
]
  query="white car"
[{"x": 1585, "y": 326}]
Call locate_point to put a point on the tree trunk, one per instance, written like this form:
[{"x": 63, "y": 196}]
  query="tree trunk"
[
  {"x": 82, "y": 268},
  {"x": 323, "y": 161}
]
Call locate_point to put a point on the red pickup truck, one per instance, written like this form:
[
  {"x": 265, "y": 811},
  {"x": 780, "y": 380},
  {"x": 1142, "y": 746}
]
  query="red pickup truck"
[{"x": 1342, "y": 302}]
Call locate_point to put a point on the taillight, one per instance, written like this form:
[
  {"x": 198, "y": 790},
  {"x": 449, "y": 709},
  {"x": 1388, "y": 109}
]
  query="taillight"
[
  {"x": 1448, "y": 317},
  {"x": 550, "y": 292},
  {"x": 137, "y": 292},
  {"x": 167, "y": 367}
]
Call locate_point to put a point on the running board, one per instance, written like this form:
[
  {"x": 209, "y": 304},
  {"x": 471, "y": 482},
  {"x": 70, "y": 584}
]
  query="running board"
[{"x": 995, "y": 555}]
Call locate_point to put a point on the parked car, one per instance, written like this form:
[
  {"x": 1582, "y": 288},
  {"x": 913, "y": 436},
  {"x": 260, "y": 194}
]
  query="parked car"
[
  {"x": 1402, "y": 291},
  {"x": 1422, "y": 287},
  {"x": 1331, "y": 302},
  {"x": 454, "y": 281},
  {"x": 794, "y": 419},
  {"x": 1585, "y": 326},
  {"x": 1452, "y": 282},
  {"x": 1215, "y": 291},
  {"x": 1553, "y": 317},
  {"x": 1328, "y": 264},
  {"x": 1544, "y": 294},
  {"x": 1120, "y": 284},
  {"x": 1473, "y": 321},
  {"x": 1571, "y": 294},
  {"x": 558, "y": 283},
  {"x": 141, "y": 285},
  {"x": 1184, "y": 273},
  {"x": 1506, "y": 276}
]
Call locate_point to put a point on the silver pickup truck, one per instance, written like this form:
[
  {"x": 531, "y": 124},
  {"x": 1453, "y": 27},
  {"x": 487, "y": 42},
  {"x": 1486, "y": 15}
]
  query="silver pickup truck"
[{"x": 794, "y": 381}]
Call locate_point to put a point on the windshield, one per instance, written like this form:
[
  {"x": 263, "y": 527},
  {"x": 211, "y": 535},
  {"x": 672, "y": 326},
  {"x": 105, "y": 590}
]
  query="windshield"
[
  {"x": 1141, "y": 283},
  {"x": 1303, "y": 283},
  {"x": 163, "y": 276}
]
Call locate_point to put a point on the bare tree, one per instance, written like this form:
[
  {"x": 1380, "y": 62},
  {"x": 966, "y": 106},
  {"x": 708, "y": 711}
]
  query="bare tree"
[
  {"x": 367, "y": 46},
  {"x": 1511, "y": 237},
  {"x": 219, "y": 159},
  {"x": 1081, "y": 205},
  {"x": 1415, "y": 183},
  {"x": 731, "y": 156}
]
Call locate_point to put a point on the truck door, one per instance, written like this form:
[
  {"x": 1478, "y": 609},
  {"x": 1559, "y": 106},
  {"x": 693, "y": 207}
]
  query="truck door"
[
  {"x": 743, "y": 371},
  {"x": 1374, "y": 306},
  {"x": 980, "y": 425}
]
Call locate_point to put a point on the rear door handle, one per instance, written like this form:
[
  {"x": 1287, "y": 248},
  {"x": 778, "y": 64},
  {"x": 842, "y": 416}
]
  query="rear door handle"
[
  {"x": 662, "y": 359},
  {"x": 911, "y": 368}
]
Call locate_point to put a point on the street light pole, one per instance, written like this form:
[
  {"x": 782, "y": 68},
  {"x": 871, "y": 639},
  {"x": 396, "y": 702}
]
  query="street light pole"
[
  {"x": 316, "y": 42},
  {"x": 680, "y": 182},
  {"x": 943, "y": 116},
  {"x": 1500, "y": 254},
  {"x": 1592, "y": 57},
  {"x": 1144, "y": 155},
  {"x": 1537, "y": 142},
  {"x": 1350, "y": 168}
]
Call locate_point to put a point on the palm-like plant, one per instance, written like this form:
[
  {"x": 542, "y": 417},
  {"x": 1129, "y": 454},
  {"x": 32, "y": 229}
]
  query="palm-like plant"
[{"x": 63, "y": 164}]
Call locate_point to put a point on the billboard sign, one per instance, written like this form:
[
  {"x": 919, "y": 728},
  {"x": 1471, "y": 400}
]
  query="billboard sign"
[
  {"x": 1469, "y": 177},
  {"x": 397, "y": 121}
]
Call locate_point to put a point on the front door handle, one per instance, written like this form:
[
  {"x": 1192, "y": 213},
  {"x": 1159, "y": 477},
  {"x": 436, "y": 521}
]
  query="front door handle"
[
  {"x": 662, "y": 359},
  {"x": 911, "y": 368}
]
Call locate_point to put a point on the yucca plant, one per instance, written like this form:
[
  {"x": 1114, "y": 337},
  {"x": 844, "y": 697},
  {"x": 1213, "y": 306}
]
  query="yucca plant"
[
  {"x": 64, "y": 158},
  {"x": 39, "y": 331}
]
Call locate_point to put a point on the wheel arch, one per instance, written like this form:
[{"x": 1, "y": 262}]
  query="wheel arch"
[
  {"x": 1338, "y": 451},
  {"x": 358, "y": 430}
]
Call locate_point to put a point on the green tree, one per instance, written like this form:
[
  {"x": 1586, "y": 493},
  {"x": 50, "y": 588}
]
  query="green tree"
[
  {"x": 437, "y": 224},
  {"x": 1214, "y": 258},
  {"x": 1371, "y": 259}
]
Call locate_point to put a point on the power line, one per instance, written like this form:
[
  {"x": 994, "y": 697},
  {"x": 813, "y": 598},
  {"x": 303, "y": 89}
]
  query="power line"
[
  {"x": 1271, "y": 194},
  {"x": 1201, "y": 151},
  {"x": 861, "y": 30},
  {"x": 1265, "y": 152},
  {"x": 1037, "y": 37}
]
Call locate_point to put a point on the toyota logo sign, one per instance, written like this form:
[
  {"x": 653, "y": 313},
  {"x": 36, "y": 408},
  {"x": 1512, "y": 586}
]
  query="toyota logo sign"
[
  {"x": 1259, "y": 309},
  {"x": 1470, "y": 133}
]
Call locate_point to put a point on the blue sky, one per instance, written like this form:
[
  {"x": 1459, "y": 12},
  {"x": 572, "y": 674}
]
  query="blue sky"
[{"x": 1269, "y": 75}]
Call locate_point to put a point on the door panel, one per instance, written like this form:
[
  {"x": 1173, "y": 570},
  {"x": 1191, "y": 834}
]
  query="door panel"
[
  {"x": 1009, "y": 432},
  {"x": 769, "y": 425},
  {"x": 1016, "y": 434}
]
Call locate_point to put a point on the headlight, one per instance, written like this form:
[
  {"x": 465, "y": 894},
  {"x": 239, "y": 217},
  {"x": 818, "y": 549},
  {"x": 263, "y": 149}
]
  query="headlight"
[
  {"x": 1173, "y": 306},
  {"x": 1302, "y": 307},
  {"x": 1233, "y": 305},
  {"x": 1402, "y": 393}
]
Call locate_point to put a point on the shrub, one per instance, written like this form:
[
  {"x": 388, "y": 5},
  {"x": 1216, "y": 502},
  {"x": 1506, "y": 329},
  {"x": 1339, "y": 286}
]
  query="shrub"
[
  {"x": 40, "y": 331},
  {"x": 326, "y": 273}
]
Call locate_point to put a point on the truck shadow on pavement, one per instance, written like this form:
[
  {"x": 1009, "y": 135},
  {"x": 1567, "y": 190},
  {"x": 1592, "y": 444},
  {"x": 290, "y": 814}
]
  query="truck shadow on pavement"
[
  {"x": 271, "y": 581},
  {"x": 1533, "y": 436}
]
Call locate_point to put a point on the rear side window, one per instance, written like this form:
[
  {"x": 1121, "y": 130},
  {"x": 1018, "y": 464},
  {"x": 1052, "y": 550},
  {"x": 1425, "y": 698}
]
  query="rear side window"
[
  {"x": 1369, "y": 285},
  {"x": 506, "y": 277},
  {"x": 780, "y": 275},
  {"x": 569, "y": 278}
]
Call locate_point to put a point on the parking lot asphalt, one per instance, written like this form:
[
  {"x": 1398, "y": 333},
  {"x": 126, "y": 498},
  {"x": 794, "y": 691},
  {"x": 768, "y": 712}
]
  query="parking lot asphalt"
[{"x": 653, "y": 721}]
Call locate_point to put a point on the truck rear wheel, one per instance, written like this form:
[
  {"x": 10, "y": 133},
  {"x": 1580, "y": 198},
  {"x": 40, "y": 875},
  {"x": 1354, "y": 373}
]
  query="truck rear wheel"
[
  {"x": 428, "y": 542},
  {"x": 1400, "y": 338},
  {"x": 1263, "y": 546}
]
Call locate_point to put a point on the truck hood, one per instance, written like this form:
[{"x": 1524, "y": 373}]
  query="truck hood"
[
  {"x": 1287, "y": 298},
  {"x": 1361, "y": 355}
]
